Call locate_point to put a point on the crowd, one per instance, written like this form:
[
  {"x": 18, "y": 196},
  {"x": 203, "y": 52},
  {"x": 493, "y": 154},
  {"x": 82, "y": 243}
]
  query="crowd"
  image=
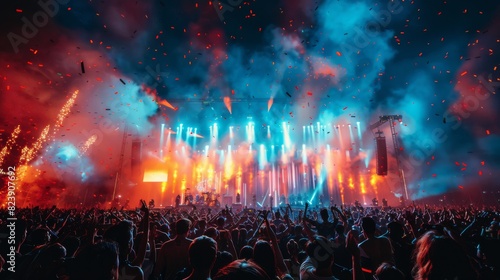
[{"x": 345, "y": 242}]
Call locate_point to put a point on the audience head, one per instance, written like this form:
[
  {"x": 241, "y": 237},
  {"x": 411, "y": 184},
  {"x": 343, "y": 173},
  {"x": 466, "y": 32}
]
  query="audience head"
[
  {"x": 212, "y": 233},
  {"x": 396, "y": 230},
  {"x": 368, "y": 225},
  {"x": 319, "y": 250},
  {"x": 440, "y": 257},
  {"x": 324, "y": 214},
  {"x": 122, "y": 234},
  {"x": 263, "y": 256},
  {"x": 301, "y": 256},
  {"x": 98, "y": 261},
  {"x": 241, "y": 270},
  {"x": 220, "y": 222},
  {"x": 340, "y": 229},
  {"x": 246, "y": 252},
  {"x": 223, "y": 258},
  {"x": 303, "y": 243},
  {"x": 202, "y": 253},
  {"x": 202, "y": 224},
  {"x": 182, "y": 226},
  {"x": 387, "y": 271}
]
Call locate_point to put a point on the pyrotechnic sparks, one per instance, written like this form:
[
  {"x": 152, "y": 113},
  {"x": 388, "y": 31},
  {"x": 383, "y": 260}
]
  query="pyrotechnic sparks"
[
  {"x": 87, "y": 144},
  {"x": 63, "y": 113},
  {"x": 8, "y": 146},
  {"x": 30, "y": 154}
]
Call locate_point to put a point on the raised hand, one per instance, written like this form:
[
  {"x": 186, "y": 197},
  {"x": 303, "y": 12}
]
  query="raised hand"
[{"x": 144, "y": 206}]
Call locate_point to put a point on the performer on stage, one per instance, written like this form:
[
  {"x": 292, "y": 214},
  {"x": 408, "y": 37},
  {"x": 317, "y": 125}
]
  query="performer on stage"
[
  {"x": 238, "y": 198},
  {"x": 384, "y": 202},
  {"x": 177, "y": 201}
]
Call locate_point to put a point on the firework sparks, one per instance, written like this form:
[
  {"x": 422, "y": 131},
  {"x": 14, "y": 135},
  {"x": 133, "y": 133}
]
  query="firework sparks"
[
  {"x": 8, "y": 146},
  {"x": 31, "y": 153},
  {"x": 63, "y": 113},
  {"x": 87, "y": 144}
]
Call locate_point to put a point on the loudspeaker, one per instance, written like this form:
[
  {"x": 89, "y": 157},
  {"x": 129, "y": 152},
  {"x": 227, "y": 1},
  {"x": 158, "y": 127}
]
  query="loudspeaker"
[
  {"x": 136, "y": 161},
  {"x": 381, "y": 156}
]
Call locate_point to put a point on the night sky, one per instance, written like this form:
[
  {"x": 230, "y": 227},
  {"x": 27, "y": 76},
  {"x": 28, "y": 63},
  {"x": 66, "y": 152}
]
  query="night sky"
[{"x": 143, "y": 63}]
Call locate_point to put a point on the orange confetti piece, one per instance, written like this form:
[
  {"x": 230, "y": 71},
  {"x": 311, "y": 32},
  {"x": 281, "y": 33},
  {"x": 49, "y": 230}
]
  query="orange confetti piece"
[
  {"x": 487, "y": 132},
  {"x": 338, "y": 53},
  {"x": 463, "y": 73}
]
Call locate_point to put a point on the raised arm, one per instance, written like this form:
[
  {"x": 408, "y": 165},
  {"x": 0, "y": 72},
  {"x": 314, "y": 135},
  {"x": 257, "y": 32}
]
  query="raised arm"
[
  {"x": 143, "y": 243},
  {"x": 280, "y": 263},
  {"x": 352, "y": 247}
]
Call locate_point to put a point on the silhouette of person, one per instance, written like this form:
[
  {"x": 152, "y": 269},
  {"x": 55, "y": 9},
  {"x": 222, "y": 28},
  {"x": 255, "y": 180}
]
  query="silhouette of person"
[{"x": 177, "y": 201}]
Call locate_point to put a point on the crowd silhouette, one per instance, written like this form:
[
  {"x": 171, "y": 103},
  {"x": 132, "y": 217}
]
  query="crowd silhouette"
[{"x": 340, "y": 242}]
